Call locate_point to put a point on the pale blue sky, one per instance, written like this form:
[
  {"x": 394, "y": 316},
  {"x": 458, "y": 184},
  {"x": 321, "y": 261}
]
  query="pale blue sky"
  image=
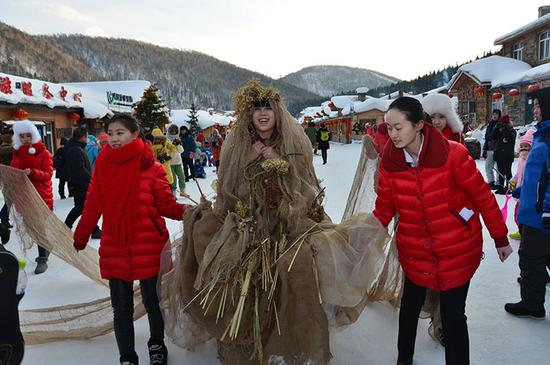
[{"x": 401, "y": 38}]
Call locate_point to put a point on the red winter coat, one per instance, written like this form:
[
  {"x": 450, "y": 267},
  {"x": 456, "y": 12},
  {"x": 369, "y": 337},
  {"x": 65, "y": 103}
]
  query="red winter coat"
[
  {"x": 437, "y": 249},
  {"x": 41, "y": 165},
  {"x": 381, "y": 137},
  {"x": 452, "y": 136},
  {"x": 139, "y": 258}
]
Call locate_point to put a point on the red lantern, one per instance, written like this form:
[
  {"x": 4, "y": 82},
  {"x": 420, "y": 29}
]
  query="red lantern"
[
  {"x": 532, "y": 88},
  {"x": 74, "y": 117},
  {"x": 20, "y": 114},
  {"x": 480, "y": 90},
  {"x": 332, "y": 106},
  {"x": 497, "y": 96},
  {"x": 513, "y": 92}
]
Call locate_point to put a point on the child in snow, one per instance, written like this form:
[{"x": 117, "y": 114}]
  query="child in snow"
[
  {"x": 163, "y": 150},
  {"x": 444, "y": 117},
  {"x": 524, "y": 147},
  {"x": 129, "y": 189},
  {"x": 435, "y": 187},
  {"x": 31, "y": 156}
]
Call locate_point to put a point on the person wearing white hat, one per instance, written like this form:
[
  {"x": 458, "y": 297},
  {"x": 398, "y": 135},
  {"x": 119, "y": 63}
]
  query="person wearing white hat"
[
  {"x": 444, "y": 117},
  {"x": 31, "y": 156}
]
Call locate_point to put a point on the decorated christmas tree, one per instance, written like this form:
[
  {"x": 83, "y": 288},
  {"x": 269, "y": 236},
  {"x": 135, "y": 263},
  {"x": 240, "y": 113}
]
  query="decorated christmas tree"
[
  {"x": 193, "y": 120},
  {"x": 150, "y": 111}
]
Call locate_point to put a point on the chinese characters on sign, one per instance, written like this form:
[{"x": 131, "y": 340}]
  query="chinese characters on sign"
[
  {"x": 46, "y": 91},
  {"x": 5, "y": 85},
  {"x": 27, "y": 88}
]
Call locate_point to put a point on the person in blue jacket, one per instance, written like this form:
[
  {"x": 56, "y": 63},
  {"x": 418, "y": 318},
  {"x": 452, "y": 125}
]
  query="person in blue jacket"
[
  {"x": 187, "y": 156},
  {"x": 534, "y": 215}
]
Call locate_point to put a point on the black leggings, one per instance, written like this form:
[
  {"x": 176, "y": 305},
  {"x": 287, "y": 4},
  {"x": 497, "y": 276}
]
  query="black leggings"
[
  {"x": 122, "y": 300},
  {"x": 453, "y": 318},
  {"x": 504, "y": 167}
]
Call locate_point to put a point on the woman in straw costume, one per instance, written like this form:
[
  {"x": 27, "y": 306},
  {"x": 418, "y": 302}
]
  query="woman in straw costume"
[{"x": 247, "y": 268}]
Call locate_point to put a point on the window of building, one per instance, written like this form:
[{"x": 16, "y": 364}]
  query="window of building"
[
  {"x": 517, "y": 51},
  {"x": 544, "y": 45}
]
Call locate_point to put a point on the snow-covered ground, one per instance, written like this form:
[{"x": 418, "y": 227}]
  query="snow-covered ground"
[{"x": 495, "y": 337}]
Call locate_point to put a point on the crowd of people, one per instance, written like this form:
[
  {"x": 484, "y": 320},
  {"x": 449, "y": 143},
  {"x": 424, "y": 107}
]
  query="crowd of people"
[{"x": 269, "y": 203}]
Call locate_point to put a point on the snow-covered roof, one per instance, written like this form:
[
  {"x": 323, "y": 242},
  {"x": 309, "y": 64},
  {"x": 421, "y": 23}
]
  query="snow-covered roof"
[
  {"x": 373, "y": 103},
  {"x": 31, "y": 91},
  {"x": 493, "y": 70},
  {"x": 543, "y": 20},
  {"x": 341, "y": 101},
  {"x": 118, "y": 96},
  {"x": 181, "y": 117},
  {"x": 362, "y": 90}
]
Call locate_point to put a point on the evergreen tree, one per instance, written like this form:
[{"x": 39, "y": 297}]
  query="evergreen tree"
[
  {"x": 150, "y": 111},
  {"x": 193, "y": 121}
]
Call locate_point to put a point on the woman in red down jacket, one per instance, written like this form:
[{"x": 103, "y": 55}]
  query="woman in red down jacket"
[
  {"x": 31, "y": 156},
  {"x": 444, "y": 117},
  {"x": 435, "y": 187},
  {"x": 132, "y": 193}
]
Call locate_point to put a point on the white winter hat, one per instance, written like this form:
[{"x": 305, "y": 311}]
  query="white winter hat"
[
  {"x": 25, "y": 126},
  {"x": 441, "y": 103}
]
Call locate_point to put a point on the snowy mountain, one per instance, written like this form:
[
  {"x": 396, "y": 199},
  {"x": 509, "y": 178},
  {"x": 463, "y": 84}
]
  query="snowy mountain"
[
  {"x": 332, "y": 80},
  {"x": 182, "y": 77}
]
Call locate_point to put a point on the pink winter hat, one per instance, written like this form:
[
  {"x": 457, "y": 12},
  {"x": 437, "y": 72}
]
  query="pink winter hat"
[{"x": 527, "y": 137}]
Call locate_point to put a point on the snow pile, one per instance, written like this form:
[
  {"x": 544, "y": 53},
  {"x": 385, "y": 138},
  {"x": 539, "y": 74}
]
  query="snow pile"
[
  {"x": 181, "y": 117},
  {"x": 32, "y": 91},
  {"x": 494, "y": 70},
  {"x": 527, "y": 27}
]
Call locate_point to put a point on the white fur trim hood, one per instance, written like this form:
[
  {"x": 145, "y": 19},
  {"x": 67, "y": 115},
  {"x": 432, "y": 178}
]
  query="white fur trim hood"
[
  {"x": 25, "y": 126},
  {"x": 441, "y": 103}
]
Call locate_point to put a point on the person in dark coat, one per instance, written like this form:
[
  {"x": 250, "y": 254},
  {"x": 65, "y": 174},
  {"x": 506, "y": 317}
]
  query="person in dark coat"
[
  {"x": 79, "y": 173},
  {"x": 6, "y": 153},
  {"x": 534, "y": 216},
  {"x": 187, "y": 156},
  {"x": 60, "y": 172},
  {"x": 505, "y": 137},
  {"x": 323, "y": 138},
  {"x": 311, "y": 132},
  {"x": 489, "y": 147}
]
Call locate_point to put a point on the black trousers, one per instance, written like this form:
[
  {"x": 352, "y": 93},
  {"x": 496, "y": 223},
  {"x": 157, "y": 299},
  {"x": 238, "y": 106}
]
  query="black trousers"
[
  {"x": 324, "y": 155},
  {"x": 453, "y": 318},
  {"x": 504, "y": 167},
  {"x": 122, "y": 300},
  {"x": 61, "y": 188},
  {"x": 534, "y": 257},
  {"x": 79, "y": 194},
  {"x": 5, "y": 214},
  {"x": 188, "y": 168}
]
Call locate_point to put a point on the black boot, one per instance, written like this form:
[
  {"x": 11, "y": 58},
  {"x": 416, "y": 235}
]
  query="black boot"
[
  {"x": 518, "y": 309},
  {"x": 129, "y": 359},
  {"x": 158, "y": 354},
  {"x": 42, "y": 265}
]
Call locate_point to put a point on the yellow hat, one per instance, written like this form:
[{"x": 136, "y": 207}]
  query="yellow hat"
[{"x": 157, "y": 132}]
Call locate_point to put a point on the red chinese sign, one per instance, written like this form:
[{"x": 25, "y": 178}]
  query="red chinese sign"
[
  {"x": 26, "y": 87},
  {"x": 46, "y": 91},
  {"x": 77, "y": 97},
  {"x": 63, "y": 93},
  {"x": 5, "y": 85}
]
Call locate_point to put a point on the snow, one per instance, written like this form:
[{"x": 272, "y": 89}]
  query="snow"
[
  {"x": 181, "y": 117},
  {"x": 341, "y": 101},
  {"x": 495, "y": 337},
  {"x": 92, "y": 106},
  {"x": 527, "y": 27},
  {"x": 494, "y": 70},
  {"x": 362, "y": 90},
  {"x": 100, "y": 90},
  {"x": 373, "y": 103}
]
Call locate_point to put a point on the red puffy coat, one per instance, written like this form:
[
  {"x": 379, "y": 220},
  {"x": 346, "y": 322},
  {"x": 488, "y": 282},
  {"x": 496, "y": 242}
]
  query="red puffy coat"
[
  {"x": 41, "y": 165},
  {"x": 381, "y": 137},
  {"x": 452, "y": 136},
  {"x": 437, "y": 248},
  {"x": 139, "y": 258}
]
